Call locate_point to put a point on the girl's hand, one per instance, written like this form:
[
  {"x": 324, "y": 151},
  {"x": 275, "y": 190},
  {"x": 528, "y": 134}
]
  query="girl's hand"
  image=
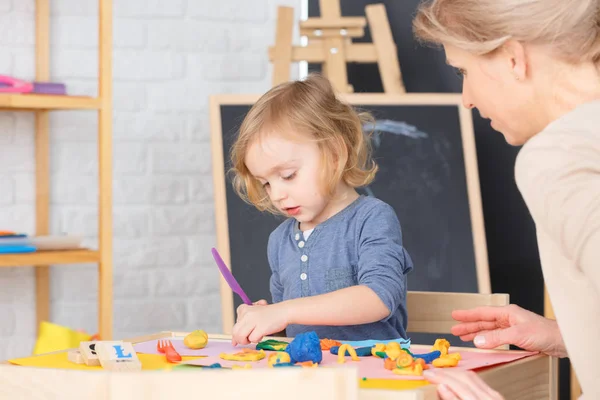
[
  {"x": 459, "y": 384},
  {"x": 254, "y": 323},
  {"x": 490, "y": 327}
]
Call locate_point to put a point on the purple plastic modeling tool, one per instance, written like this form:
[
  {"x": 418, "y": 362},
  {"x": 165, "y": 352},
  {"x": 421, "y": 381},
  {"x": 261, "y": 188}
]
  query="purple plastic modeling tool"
[{"x": 233, "y": 284}]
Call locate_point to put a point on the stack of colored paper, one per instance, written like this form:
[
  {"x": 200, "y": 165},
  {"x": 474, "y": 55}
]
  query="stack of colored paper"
[{"x": 12, "y": 242}]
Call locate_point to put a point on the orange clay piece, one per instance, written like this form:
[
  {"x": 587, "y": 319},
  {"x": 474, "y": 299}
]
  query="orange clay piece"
[
  {"x": 389, "y": 364},
  {"x": 422, "y": 363},
  {"x": 416, "y": 369},
  {"x": 404, "y": 360},
  {"x": 342, "y": 351},
  {"x": 307, "y": 364},
  {"x": 327, "y": 344}
]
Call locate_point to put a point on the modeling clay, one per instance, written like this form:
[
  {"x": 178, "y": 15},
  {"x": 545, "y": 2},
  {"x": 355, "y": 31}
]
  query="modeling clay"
[
  {"x": 390, "y": 364},
  {"x": 404, "y": 360},
  {"x": 196, "y": 339},
  {"x": 415, "y": 369},
  {"x": 272, "y": 344},
  {"x": 327, "y": 344},
  {"x": 442, "y": 345},
  {"x": 305, "y": 347},
  {"x": 449, "y": 360},
  {"x": 428, "y": 357},
  {"x": 378, "y": 348},
  {"x": 361, "y": 351},
  {"x": 342, "y": 351},
  {"x": 308, "y": 364},
  {"x": 280, "y": 357},
  {"x": 393, "y": 350},
  {"x": 286, "y": 365},
  {"x": 246, "y": 366},
  {"x": 244, "y": 355}
]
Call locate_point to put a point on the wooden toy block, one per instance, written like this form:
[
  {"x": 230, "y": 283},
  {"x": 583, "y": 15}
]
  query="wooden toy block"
[
  {"x": 75, "y": 357},
  {"x": 118, "y": 356},
  {"x": 88, "y": 353}
]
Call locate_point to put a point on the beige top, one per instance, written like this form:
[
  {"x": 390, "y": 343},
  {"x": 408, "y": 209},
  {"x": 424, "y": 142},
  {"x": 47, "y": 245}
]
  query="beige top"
[{"x": 558, "y": 174}]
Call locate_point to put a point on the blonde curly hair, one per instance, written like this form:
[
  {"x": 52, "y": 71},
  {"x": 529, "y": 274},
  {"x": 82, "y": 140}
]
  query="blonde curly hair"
[{"x": 310, "y": 108}]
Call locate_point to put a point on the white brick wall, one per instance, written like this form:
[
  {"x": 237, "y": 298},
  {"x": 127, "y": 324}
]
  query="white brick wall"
[{"x": 168, "y": 58}]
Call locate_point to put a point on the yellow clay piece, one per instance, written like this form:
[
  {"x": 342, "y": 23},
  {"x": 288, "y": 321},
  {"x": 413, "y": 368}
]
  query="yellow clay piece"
[
  {"x": 404, "y": 360},
  {"x": 393, "y": 350},
  {"x": 244, "y": 355},
  {"x": 196, "y": 340},
  {"x": 280, "y": 357},
  {"x": 246, "y": 366},
  {"x": 442, "y": 345},
  {"x": 415, "y": 369},
  {"x": 444, "y": 362},
  {"x": 378, "y": 348},
  {"x": 342, "y": 351}
]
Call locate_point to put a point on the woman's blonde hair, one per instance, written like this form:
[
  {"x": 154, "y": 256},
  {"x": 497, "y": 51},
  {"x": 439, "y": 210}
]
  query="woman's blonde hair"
[
  {"x": 307, "y": 107},
  {"x": 570, "y": 27}
]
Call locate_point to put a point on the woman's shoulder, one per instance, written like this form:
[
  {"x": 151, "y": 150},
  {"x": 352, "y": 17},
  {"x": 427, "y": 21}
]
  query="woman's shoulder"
[{"x": 573, "y": 139}]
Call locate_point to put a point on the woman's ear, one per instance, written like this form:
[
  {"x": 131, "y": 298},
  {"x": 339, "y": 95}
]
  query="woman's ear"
[{"x": 516, "y": 55}]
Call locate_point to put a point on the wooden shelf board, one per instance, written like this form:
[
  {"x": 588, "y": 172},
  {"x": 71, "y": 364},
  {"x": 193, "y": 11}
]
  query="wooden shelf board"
[
  {"x": 47, "y": 102},
  {"x": 49, "y": 258}
]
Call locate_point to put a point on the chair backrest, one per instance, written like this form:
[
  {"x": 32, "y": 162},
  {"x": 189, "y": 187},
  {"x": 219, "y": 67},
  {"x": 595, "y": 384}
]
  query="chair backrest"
[{"x": 431, "y": 312}]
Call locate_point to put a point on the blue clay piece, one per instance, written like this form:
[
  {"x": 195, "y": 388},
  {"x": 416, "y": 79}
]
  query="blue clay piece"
[
  {"x": 404, "y": 343},
  {"x": 285, "y": 365},
  {"x": 428, "y": 357},
  {"x": 361, "y": 351},
  {"x": 305, "y": 347}
]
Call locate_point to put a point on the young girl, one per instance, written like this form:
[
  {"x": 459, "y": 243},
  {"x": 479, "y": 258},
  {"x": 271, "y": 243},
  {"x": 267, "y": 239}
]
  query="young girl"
[{"x": 338, "y": 264}]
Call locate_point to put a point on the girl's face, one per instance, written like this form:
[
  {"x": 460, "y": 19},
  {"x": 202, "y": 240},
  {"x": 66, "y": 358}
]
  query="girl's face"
[
  {"x": 498, "y": 85},
  {"x": 291, "y": 173}
]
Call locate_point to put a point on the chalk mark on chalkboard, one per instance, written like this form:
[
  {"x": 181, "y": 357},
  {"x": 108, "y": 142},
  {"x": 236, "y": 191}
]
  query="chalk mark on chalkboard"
[{"x": 395, "y": 128}]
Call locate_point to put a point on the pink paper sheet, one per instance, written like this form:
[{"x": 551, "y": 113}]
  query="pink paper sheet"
[
  {"x": 372, "y": 367},
  {"x": 213, "y": 348}
]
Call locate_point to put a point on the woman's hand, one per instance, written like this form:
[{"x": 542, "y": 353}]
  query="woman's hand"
[
  {"x": 459, "y": 384},
  {"x": 490, "y": 327}
]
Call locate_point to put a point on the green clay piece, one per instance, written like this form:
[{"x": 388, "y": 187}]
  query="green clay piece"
[
  {"x": 272, "y": 344},
  {"x": 381, "y": 354}
]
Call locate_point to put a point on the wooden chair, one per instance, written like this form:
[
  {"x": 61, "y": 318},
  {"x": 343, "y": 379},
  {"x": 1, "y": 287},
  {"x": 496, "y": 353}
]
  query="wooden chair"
[{"x": 431, "y": 312}]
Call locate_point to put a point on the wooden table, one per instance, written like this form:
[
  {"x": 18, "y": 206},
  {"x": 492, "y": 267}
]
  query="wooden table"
[{"x": 530, "y": 378}]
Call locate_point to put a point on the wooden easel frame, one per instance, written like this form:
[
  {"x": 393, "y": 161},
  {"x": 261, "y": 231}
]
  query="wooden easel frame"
[
  {"x": 330, "y": 43},
  {"x": 425, "y": 99}
]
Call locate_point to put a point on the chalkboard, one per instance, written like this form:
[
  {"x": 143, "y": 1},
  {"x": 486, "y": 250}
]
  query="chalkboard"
[{"x": 425, "y": 149}]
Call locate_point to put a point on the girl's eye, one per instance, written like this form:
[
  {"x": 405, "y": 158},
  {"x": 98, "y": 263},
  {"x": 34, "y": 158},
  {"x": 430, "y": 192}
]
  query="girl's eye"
[
  {"x": 265, "y": 185},
  {"x": 289, "y": 177}
]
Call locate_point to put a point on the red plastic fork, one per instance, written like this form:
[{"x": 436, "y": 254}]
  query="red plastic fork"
[{"x": 166, "y": 347}]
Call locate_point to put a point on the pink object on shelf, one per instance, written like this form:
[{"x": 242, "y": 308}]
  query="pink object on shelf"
[
  {"x": 8, "y": 84},
  {"x": 14, "y": 85}
]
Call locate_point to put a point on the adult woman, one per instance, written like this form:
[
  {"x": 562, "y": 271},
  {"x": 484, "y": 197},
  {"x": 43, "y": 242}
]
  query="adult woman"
[{"x": 533, "y": 68}]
